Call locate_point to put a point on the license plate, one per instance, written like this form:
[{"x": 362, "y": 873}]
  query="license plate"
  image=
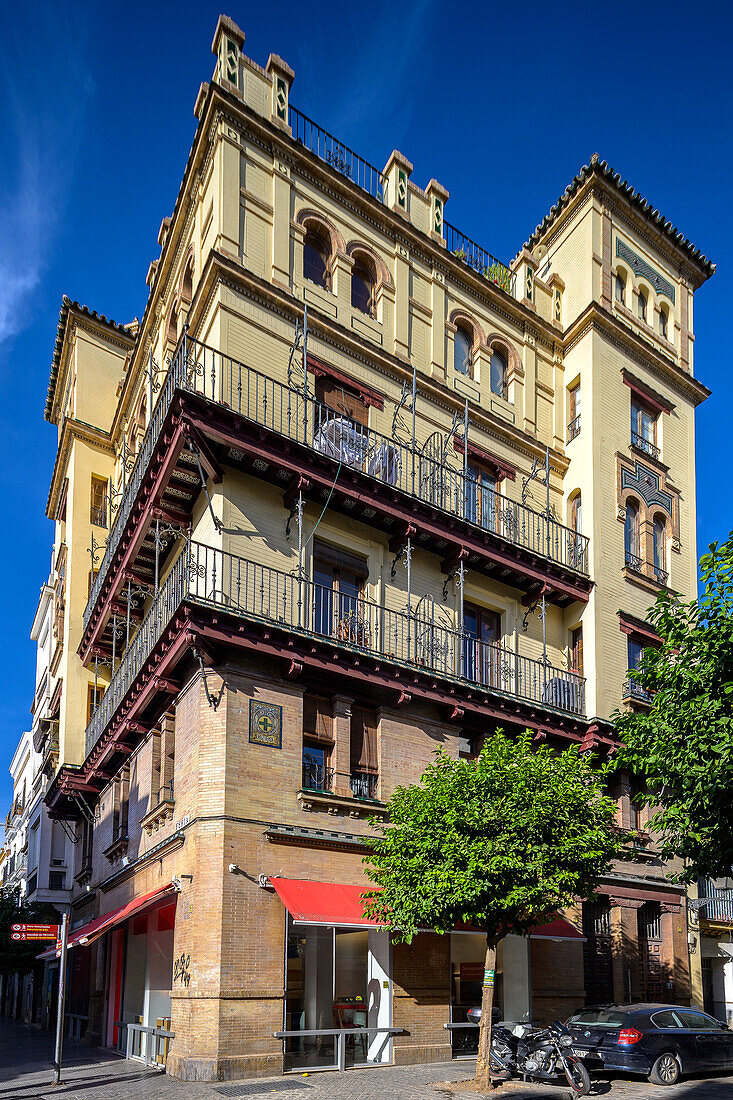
[{"x": 584, "y": 1053}]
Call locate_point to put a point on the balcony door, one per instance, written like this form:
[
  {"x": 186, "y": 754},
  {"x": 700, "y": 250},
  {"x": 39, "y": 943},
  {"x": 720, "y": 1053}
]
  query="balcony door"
[
  {"x": 481, "y": 496},
  {"x": 481, "y": 635},
  {"x": 338, "y": 590}
]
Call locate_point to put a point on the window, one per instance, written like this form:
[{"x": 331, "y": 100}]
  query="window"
[
  {"x": 665, "y": 1019},
  {"x": 340, "y": 399},
  {"x": 620, "y": 288},
  {"x": 642, "y": 303},
  {"x": 659, "y": 533},
  {"x": 634, "y": 653},
  {"x": 92, "y": 577},
  {"x": 644, "y": 428},
  {"x": 462, "y": 352},
  {"x": 317, "y": 743},
  {"x": 172, "y": 329},
  {"x": 316, "y": 259},
  {"x": 576, "y": 542},
  {"x": 163, "y": 760},
  {"x": 597, "y": 918},
  {"x": 498, "y": 374},
  {"x": 363, "y": 284},
  {"x": 98, "y": 508},
  {"x": 576, "y": 513},
  {"x": 338, "y": 590},
  {"x": 56, "y": 880},
  {"x": 364, "y": 766},
  {"x": 697, "y": 1021},
  {"x": 649, "y": 919},
  {"x": 481, "y": 634},
  {"x": 94, "y": 697},
  {"x": 482, "y": 500},
  {"x": 187, "y": 282},
  {"x": 576, "y": 650},
  {"x": 574, "y": 424},
  {"x": 663, "y": 322},
  {"x": 121, "y": 804},
  {"x": 631, "y": 535}
]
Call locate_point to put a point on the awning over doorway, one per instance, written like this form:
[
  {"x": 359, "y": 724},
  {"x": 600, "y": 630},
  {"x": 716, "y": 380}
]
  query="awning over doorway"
[
  {"x": 90, "y": 932},
  {"x": 334, "y": 903}
]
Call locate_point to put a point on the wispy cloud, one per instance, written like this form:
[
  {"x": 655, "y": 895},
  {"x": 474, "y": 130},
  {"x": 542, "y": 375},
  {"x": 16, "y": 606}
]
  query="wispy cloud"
[{"x": 45, "y": 89}]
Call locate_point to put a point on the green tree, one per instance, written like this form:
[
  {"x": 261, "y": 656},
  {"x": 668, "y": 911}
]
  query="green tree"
[
  {"x": 501, "y": 842},
  {"x": 681, "y": 748},
  {"x": 19, "y": 957}
]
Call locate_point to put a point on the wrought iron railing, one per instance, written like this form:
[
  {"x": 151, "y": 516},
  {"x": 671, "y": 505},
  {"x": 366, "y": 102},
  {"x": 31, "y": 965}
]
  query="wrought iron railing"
[
  {"x": 717, "y": 908},
  {"x": 414, "y": 470},
  {"x": 364, "y": 785},
  {"x": 574, "y": 428},
  {"x": 634, "y": 691},
  {"x": 644, "y": 445},
  {"x": 339, "y": 156},
  {"x": 633, "y": 561},
  {"x": 316, "y": 777},
  {"x": 416, "y": 638},
  {"x": 463, "y": 248}
]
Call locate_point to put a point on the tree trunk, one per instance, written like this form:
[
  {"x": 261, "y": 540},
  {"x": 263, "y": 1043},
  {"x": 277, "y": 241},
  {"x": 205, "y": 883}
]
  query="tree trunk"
[{"x": 487, "y": 1003}]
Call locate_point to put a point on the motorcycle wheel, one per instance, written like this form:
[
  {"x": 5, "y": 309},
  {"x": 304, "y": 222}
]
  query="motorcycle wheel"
[
  {"x": 578, "y": 1076},
  {"x": 497, "y": 1072}
]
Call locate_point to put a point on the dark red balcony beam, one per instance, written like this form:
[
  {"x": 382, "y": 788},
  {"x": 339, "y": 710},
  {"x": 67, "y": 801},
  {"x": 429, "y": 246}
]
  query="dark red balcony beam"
[
  {"x": 164, "y": 460},
  {"x": 403, "y": 508}
]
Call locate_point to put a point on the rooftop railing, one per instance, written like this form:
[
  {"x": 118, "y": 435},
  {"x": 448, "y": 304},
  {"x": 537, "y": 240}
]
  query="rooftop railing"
[
  {"x": 420, "y": 636},
  {"x": 339, "y": 156},
  {"x": 463, "y": 248},
  {"x": 414, "y": 469}
]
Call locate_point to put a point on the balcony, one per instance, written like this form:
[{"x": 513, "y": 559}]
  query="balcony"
[
  {"x": 574, "y": 428},
  {"x": 364, "y": 786},
  {"x": 316, "y": 777},
  {"x": 420, "y": 638},
  {"x": 647, "y": 569},
  {"x": 645, "y": 446},
  {"x": 524, "y": 547},
  {"x": 477, "y": 258},
  {"x": 633, "y": 692},
  {"x": 717, "y": 907}
]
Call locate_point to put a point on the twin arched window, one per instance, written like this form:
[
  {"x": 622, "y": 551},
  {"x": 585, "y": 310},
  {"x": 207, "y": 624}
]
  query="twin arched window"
[
  {"x": 659, "y": 531},
  {"x": 498, "y": 374},
  {"x": 620, "y": 289},
  {"x": 663, "y": 322},
  {"x": 642, "y": 306},
  {"x": 463, "y": 351},
  {"x": 363, "y": 286},
  {"x": 317, "y": 258},
  {"x": 632, "y": 544}
]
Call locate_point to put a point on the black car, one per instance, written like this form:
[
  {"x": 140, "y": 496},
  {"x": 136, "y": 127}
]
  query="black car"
[{"x": 659, "y": 1041}]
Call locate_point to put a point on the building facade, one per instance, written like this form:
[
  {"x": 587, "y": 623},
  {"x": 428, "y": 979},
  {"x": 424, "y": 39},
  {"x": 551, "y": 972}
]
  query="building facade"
[{"x": 350, "y": 491}]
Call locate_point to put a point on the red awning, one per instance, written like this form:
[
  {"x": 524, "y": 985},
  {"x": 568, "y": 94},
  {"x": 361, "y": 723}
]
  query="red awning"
[
  {"x": 557, "y": 929},
  {"x": 322, "y": 902},
  {"x": 90, "y": 932},
  {"x": 333, "y": 903}
]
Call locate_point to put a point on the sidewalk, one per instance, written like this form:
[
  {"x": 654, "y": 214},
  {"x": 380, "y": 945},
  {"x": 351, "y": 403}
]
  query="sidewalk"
[{"x": 89, "y": 1074}]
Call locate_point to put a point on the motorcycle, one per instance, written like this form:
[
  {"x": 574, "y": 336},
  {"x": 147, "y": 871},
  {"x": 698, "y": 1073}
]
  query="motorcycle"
[{"x": 537, "y": 1055}]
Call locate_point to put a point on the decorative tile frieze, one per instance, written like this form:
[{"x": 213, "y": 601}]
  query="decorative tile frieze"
[{"x": 641, "y": 267}]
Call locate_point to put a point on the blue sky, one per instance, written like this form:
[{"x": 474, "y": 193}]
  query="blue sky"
[{"x": 500, "y": 102}]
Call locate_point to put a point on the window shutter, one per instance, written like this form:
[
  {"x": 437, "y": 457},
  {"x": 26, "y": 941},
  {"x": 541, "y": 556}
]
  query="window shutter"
[
  {"x": 341, "y": 400},
  {"x": 317, "y": 719},
  {"x": 364, "y": 740}
]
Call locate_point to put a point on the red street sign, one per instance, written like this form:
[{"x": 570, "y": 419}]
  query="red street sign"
[{"x": 24, "y": 932}]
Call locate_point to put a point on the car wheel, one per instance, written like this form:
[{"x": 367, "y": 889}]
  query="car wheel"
[{"x": 666, "y": 1070}]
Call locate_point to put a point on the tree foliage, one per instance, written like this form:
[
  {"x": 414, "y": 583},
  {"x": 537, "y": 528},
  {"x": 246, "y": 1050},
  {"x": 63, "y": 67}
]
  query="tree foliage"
[
  {"x": 19, "y": 957},
  {"x": 501, "y": 842},
  {"x": 682, "y": 746}
]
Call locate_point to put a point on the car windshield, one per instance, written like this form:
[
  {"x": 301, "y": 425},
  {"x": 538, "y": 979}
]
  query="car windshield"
[{"x": 598, "y": 1017}]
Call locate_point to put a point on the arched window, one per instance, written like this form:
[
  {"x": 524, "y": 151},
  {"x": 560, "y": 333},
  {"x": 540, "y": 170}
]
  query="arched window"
[
  {"x": 316, "y": 259},
  {"x": 660, "y": 549},
  {"x": 576, "y": 518},
  {"x": 631, "y": 535},
  {"x": 172, "y": 331},
  {"x": 576, "y": 542},
  {"x": 187, "y": 282},
  {"x": 620, "y": 289},
  {"x": 642, "y": 306},
  {"x": 498, "y": 374},
  {"x": 663, "y": 323},
  {"x": 363, "y": 286},
  {"x": 462, "y": 351}
]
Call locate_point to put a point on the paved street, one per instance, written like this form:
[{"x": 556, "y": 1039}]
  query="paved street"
[{"x": 25, "y": 1074}]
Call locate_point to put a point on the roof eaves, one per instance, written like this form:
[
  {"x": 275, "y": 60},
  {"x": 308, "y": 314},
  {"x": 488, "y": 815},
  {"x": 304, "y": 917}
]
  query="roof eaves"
[
  {"x": 603, "y": 170},
  {"x": 66, "y": 306}
]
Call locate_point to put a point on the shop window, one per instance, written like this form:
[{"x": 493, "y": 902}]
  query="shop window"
[
  {"x": 641, "y": 306},
  {"x": 316, "y": 259},
  {"x": 94, "y": 698},
  {"x": 631, "y": 536},
  {"x": 339, "y": 609},
  {"x": 98, "y": 504},
  {"x": 463, "y": 351},
  {"x": 576, "y": 650},
  {"x": 481, "y": 654},
  {"x": 644, "y": 428},
  {"x": 498, "y": 374},
  {"x": 482, "y": 501},
  {"x": 364, "y": 763},
  {"x": 363, "y": 287}
]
